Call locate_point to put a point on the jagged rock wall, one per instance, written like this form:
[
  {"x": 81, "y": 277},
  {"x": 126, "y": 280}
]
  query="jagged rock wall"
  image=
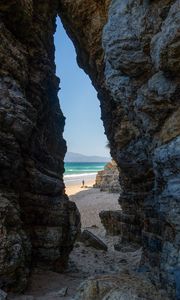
[
  {"x": 136, "y": 74},
  {"x": 38, "y": 223},
  {"x": 108, "y": 179},
  {"x": 142, "y": 50}
]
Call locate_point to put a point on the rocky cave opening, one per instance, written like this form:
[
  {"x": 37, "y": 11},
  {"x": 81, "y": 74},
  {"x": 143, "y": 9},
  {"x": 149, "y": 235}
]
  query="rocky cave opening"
[{"x": 130, "y": 50}]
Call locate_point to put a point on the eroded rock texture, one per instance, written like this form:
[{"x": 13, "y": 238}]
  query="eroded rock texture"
[
  {"x": 118, "y": 287},
  {"x": 37, "y": 221},
  {"x": 131, "y": 51},
  {"x": 142, "y": 50},
  {"x": 112, "y": 221},
  {"x": 108, "y": 179},
  {"x": 138, "y": 87}
]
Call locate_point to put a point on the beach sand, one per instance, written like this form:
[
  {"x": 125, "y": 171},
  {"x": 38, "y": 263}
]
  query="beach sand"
[
  {"x": 74, "y": 186},
  {"x": 90, "y": 202},
  {"x": 77, "y": 187},
  {"x": 83, "y": 261}
]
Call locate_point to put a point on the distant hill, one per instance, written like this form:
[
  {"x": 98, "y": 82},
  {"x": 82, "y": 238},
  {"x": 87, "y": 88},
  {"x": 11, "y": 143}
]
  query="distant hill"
[{"x": 77, "y": 157}]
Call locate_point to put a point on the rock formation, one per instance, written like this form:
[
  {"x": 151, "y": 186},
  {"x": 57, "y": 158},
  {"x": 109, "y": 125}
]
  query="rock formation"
[
  {"x": 91, "y": 240},
  {"x": 142, "y": 47},
  {"x": 108, "y": 179},
  {"x": 38, "y": 223},
  {"x": 131, "y": 51},
  {"x": 112, "y": 221},
  {"x": 121, "y": 287}
]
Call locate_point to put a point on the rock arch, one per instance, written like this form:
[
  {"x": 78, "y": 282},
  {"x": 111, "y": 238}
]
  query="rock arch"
[{"x": 130, "y": 49}]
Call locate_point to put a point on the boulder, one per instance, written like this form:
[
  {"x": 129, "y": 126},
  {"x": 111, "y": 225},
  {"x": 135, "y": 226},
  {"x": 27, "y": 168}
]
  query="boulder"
[
  {"x": 112, "y": 222},
  {"x": 91, "y": 240},
  {"x": 108, "y": 179},
  {"x": 118, "y": 287}
]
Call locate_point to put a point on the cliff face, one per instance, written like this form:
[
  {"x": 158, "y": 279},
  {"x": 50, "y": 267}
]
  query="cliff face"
[
  {"x": 38, "y": 223},
  {"x": 131, "y": 51},
  {"x": 108, "y": 179},
  {"x": 141, "y": 41}
]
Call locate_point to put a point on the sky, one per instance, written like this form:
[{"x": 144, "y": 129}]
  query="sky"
[{"x": 84, "y": 131}]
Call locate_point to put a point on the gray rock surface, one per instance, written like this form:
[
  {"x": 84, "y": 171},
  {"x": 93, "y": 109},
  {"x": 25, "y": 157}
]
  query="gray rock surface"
[
  {"x": 91, "y": 240},
  {"x": 131, "y": 51},
  {"x": 141, "y": 41},
  {"x": 38, "y": 223},
  {"x": 118, "y": 287}
]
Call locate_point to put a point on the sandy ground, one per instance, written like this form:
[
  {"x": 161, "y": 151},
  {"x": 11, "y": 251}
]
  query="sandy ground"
[
  {"x": 90, "y": 202},
  {"x": 84, "y": 261},
  {"x": 76, "y": 187}
]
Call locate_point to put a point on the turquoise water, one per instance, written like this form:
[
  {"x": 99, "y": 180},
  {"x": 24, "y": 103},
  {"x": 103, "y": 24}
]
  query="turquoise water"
[{"x": 72, "y": 169}]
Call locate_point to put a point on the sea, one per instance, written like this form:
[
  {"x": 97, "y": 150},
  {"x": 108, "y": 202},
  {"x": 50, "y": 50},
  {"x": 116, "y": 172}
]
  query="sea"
[{"x": 78, "y": 171}]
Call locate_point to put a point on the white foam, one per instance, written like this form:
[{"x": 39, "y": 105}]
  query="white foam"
[{"x": 79, "y": 175}]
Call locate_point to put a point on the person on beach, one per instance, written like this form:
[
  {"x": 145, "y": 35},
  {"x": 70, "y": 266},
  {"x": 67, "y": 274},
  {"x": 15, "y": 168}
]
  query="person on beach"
[{"x": 83, "y": 183}]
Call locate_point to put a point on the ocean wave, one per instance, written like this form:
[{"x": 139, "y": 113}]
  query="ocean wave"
[
  {"x": 94, "y": 168},
  {"x": 78, "y": 175}
]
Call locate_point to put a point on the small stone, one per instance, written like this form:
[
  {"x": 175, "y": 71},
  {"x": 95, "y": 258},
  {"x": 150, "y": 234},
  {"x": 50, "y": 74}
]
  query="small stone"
[{"x": 60, "y": 293}]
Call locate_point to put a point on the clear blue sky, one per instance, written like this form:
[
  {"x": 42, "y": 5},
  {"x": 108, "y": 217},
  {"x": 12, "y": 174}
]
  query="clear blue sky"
[{"x": 84, "y": 131}]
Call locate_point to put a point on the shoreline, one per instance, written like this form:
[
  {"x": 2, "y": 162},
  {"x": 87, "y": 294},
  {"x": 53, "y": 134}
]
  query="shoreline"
[{"x": 74, "y": 186}]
